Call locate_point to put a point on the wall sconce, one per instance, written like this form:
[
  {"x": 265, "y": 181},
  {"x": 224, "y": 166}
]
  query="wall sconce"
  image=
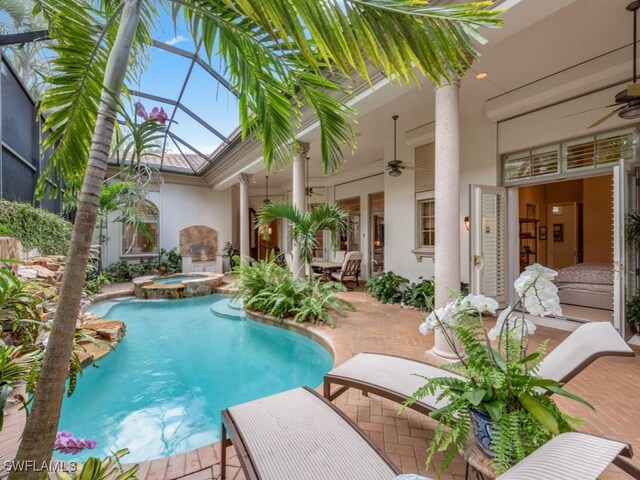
[{"x": 466, "y": 222}]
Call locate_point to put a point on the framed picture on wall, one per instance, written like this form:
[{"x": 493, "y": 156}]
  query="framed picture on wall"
[
  {"x": 558, "y": 232},
  {"x": 542, "y": 233}
]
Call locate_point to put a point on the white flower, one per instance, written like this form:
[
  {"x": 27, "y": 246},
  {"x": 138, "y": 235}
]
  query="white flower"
[
  {"x": 446, "y": 315},
  {"x": 514, "y": 325},
  {"x": 425, "y": 328},
  {"x": 540, "y": 295},
  {"x": 481, "y": 303}
]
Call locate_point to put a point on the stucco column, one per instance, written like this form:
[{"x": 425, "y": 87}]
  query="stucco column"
[
  {"x": 245, "y": 229},
  {"x": 299, "y": 199},
  {"x": 447, "y": 207}
]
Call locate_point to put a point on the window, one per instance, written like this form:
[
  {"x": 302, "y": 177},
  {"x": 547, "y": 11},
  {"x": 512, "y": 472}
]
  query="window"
[
  {"x": 560, "y": 160},
  {"x": 425, "y": 226},
  {"x": 351, "y": 241},
  {"x": 143, "y": 240},
  {"x": 427, "y": 223}
]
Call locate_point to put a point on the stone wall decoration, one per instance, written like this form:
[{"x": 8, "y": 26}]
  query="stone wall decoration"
[{"x": 199, "y": 242}]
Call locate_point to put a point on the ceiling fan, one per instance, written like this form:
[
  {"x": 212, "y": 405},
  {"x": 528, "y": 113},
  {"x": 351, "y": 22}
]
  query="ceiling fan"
[
  {"x": 628, "y": 100},
  {"x": 395, "y": 166}
]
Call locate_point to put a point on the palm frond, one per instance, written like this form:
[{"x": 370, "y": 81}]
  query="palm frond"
[
  {"x": 281, "y": 55},
  {"x": 81, "y": 38}
]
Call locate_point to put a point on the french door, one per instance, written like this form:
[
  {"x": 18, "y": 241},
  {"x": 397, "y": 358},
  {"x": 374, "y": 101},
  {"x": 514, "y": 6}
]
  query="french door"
[
  {"x": 625, "y": 199},
  {"x": 488, "y": 241}
]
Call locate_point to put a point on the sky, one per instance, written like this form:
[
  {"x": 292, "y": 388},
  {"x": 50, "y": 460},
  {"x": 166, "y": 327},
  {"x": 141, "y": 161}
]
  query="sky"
[{"x": 203, "y": 94}]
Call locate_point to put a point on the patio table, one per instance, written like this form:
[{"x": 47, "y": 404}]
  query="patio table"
[{"x": 327, "y": 268}]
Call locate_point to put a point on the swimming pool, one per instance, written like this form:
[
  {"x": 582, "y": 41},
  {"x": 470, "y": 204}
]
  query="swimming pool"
[
  {"x": 161, "y": 391},
  {"x": 177, "y": 279}
]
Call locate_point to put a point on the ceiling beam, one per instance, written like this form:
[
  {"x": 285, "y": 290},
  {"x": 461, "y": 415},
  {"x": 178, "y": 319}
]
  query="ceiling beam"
[{"x": 24, "y": 37}]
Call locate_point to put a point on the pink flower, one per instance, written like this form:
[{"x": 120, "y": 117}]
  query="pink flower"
[
  {"x": 159, "y": 115},
  {"x": 141, "y": 111},
  {"x": 66, "y": 443}
]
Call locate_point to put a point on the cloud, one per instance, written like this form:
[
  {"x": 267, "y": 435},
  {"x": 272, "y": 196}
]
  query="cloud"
[{"x": 176, "y": 40}]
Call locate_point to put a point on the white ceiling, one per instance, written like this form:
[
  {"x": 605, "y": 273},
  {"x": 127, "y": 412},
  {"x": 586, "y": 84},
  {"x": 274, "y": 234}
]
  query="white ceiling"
[{"x": 539, "y": 38}]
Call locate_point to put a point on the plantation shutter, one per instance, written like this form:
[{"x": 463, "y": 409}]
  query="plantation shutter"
[
  {"x": 488, "y": 242},
  {"x": 425, "y": 162}
]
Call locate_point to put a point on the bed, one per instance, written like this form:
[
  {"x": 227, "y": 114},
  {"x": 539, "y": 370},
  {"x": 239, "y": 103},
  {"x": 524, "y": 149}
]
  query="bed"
[{"x": 586, "y": 285}]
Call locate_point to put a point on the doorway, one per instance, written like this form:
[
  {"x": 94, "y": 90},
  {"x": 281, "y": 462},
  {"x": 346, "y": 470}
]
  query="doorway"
[{"x": 376, "y": 222}]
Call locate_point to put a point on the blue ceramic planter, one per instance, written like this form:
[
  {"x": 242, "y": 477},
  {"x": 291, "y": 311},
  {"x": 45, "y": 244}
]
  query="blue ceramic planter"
[{"x": 482, "y": 423}]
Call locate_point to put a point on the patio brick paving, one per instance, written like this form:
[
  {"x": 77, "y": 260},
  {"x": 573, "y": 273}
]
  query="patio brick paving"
[{"x": 612, "y": 385}]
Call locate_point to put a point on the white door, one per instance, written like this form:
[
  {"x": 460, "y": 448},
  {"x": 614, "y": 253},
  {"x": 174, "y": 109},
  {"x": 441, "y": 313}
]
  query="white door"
[
  {"x": 488, "y": 241},
  {"x": 625, "y": 199}
]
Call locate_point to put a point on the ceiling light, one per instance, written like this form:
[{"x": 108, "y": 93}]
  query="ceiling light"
[
  {"x": 631, "y": 110},
  {"x": 481, "y": 75},
  {"x": 395, "y": 173}
]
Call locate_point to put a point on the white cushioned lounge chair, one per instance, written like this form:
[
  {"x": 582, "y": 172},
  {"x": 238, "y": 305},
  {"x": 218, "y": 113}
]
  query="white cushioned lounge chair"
[
  {"x": 394, "y": 377},
  {"x": 299, "y": 435}
]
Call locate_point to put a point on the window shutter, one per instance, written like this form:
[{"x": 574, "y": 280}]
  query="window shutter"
[
  {"x": 493, "y": 244},
  {"x": 425, "y": 162}
]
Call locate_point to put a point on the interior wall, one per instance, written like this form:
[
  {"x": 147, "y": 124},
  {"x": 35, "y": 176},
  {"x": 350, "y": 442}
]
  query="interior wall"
[
  {"x": 595, "y": 194},
  {"x": 598, "y": 219}
]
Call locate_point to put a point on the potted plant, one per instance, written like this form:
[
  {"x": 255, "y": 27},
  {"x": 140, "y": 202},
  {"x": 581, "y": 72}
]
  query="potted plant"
[
  {"x": 501, "y": 397},
  {"x": 230, "y": 251}
]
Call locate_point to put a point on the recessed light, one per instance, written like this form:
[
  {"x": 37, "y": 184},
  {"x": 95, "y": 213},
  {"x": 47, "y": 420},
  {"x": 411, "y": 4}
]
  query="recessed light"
[{"x": 481, "y": 75}]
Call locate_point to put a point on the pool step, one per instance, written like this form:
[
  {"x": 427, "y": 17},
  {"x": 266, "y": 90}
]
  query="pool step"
[{"x": 228, "y": 308}]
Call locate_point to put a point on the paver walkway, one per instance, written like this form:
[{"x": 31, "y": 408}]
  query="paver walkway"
[{"x": 612, "y": 385}]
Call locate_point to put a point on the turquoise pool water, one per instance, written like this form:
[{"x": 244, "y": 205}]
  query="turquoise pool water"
[
  {"x": 161, "y": 391},
  {"x": 173, "y": 280}
]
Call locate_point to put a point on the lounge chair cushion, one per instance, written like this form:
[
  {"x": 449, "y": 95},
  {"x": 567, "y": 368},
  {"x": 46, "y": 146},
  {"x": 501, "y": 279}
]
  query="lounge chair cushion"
[
  {"x": 396, "y": 374},
  {"x": 297, "y": 434}
]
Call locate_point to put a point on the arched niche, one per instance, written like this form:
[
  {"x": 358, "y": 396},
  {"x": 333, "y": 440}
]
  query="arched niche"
[{"x": 199, "y": 242}]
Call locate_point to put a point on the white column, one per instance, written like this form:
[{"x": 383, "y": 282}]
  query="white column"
[
  {"x": 245, "y": 228},
  {"x": 299, "y": 199},
  {"x": 447, "y": 207}
]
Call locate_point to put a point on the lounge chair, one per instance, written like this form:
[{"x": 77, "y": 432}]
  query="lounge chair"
[
  {"x": 350, "y": 270},
  {"x": 393, "y": 377},
  {"x": 299, "y": 435}
]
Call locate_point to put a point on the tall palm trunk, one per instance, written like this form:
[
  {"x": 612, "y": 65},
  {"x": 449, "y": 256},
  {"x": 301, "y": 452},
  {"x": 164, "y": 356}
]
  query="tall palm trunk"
[{"x": 40, "y": 430}]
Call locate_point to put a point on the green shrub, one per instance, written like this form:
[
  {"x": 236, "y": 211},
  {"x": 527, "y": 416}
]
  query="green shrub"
[
  {"x": 420, "y": 295},
  {"x": 387, "y": 287},
  {"x": 119, "y": 271},
  {"x": 269, "y": 288},
  {"x": 169, "y": 261},
  {"x": 36, "y": 228}
]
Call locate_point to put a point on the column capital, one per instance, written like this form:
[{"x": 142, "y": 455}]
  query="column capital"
[
  {"x": 454, "y": 82},
  {"x": 303, "y": 149},
  {"x": 244, "y": 178}
]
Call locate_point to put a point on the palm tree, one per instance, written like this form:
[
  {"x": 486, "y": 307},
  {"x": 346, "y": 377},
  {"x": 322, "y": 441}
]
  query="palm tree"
[
  {"x": 304, "y": 227},
  {"x": 280, "y": 56}
]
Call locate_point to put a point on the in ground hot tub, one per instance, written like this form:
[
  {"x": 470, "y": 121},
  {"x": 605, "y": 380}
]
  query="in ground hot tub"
[{"x": 179, "y": 285}]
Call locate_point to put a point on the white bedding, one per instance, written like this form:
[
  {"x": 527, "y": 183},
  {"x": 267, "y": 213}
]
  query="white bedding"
[{"x": 586, "y": 273}]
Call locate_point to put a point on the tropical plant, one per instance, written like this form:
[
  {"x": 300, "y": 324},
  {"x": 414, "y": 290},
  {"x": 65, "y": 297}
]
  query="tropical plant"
[
  {"x": 387, "y": 287},
  {"x": 304, "y": 226},
  {"x": 18, "y": 367},
  {"x": 632, "y": 311},
  {"x": 140, "y": 138},
  {"x": 502, "y": 383},
  {"x": 268, "y": 288},
  {"x": 36, "y": 228},
  {"x": 420, "y": 295},
  {"x": 105, "y": 469},
  {"x": 633, "y": 228},
  {"x": 169, "y": 261},
  {"x": 277, "y": 56},
  {"x": 230, "y": 251},
  {"x": 20, "y": 307}
]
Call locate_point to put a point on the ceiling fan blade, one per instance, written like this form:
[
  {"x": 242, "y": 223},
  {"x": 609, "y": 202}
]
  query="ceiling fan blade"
[
  {"x": 590, "y": 110},
  {"x": 606, "y": 117},
  {"x": 633, "y": 90}
]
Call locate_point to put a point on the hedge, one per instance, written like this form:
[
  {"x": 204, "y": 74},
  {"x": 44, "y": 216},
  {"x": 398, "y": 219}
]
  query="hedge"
[{"x": 36, "y": 228}]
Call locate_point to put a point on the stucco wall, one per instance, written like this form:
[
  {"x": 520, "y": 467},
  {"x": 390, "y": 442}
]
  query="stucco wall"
[{"x": 181, "y": 206}]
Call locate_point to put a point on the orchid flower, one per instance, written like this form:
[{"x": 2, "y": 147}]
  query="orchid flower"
[
  {"x": 159, "y": 115},
  {"x": 141, "y": 111},
  {"x": 66, "y": 443}
]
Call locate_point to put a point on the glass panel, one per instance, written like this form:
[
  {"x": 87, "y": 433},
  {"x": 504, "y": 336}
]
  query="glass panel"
[
  {"x": 134, "y": 243},
  {"x": 613, "y": 148},
  {"x": 351, "y": 242},
  {"x": 544, "y": 161},
  {"x": 427, "y": 223},
  {"x": 376, "y": 201},
  {"x": 517, "y": 166},
  {"x": 580, "y": 153}
]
